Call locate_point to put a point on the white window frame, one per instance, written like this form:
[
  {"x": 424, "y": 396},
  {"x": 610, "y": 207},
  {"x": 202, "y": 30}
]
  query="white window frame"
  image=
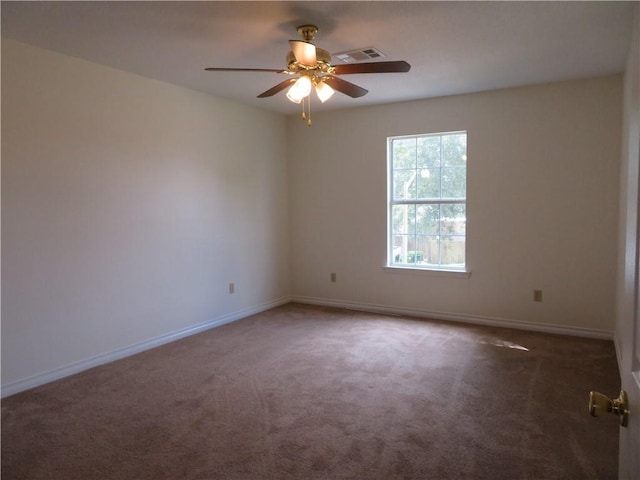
[{"x": 391, "y": 264}]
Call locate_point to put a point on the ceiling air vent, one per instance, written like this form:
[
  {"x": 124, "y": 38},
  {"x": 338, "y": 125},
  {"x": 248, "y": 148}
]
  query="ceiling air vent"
[{"x": 362, "y": 54}]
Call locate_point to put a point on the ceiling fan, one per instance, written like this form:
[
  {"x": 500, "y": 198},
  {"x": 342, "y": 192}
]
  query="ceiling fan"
[{"x": 310, "y": 67}]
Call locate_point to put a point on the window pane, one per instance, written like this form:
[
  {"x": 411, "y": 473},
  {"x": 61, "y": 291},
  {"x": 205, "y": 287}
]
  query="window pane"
[
  {"x": 454, "y": 149},
  {"x": 427, "y": 249},
  {"x": 413, "y": 254},
  {"x": 454, "y": 219},
  {"x": 404, "y": 153},
  {"x": 454, "y": 182},
  {"x": 428, "y": 183},
  {"x": 405, "y": 250},
  {"x": 427, "y": 219},
  {"x": 404, "y": 219},
  {"x": 404, "y": 184},
  {"x": 399, "y": 252},
  {"x": 453, "y": 250},
  {"x": 428, "y": 151}
]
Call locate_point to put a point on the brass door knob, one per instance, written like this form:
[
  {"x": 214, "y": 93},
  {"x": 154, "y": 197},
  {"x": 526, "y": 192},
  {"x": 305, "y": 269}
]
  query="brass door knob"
[{"x": 599, "y": 404}]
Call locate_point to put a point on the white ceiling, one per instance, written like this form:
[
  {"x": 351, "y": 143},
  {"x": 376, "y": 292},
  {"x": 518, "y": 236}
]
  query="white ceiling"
[{"x": 453, "y": 47}]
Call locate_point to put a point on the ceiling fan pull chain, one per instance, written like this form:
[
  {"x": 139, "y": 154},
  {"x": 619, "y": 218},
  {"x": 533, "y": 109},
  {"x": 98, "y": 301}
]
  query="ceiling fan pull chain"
[{"x": 309, "y": 108}]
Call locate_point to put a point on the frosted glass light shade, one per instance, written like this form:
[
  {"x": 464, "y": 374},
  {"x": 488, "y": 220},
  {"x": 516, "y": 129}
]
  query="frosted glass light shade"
[
  {"x": 324, "y": 91},
  {"x": 300, "y": 89}
]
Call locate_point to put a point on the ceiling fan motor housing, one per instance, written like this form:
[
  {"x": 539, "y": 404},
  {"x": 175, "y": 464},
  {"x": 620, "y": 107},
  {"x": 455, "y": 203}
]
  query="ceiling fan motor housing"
[{"x": 323, "y": 58}]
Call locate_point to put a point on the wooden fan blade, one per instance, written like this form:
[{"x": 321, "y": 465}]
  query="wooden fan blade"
[
  {"x": 278, "y": 88},
  {"x": 354, "y": 91},
  {"x": 273, "y": 70},
  {"x": 372, "y": 67},
  {"x": 304, "y": 52}
]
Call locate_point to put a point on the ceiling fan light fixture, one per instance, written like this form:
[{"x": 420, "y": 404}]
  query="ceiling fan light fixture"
[
  {"x": 300, "y": 89},
  {"x": 324, "y": 91}
]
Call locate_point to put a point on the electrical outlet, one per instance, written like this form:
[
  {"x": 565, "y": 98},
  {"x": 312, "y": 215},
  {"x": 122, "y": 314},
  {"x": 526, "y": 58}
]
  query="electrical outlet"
[
  {"x": 333, "y": 278},
  {"x": 537, "y": 295},
  {"x": 232, "y": 288}
]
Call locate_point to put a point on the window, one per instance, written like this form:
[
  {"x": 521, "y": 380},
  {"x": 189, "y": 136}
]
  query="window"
[{"x": 427, "y": 201}]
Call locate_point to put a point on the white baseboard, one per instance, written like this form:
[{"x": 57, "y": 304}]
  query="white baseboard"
[
  {"x": 77, "y": 367},
  {"x": 459, "y": 317}
]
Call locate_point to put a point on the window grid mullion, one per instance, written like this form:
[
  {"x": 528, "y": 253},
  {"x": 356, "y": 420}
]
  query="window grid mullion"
[
  {"x": 440, "y": 168},
  {"x": 424, "y": 201}
]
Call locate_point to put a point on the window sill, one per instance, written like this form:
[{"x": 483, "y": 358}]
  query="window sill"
[{"x": 427, "y": 271}]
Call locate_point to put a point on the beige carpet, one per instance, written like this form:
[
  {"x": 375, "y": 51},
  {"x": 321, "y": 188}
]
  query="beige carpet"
[{"x": 303, "y": 392}]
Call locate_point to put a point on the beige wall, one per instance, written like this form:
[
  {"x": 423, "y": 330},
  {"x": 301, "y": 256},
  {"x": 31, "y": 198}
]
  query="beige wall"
[
  {"x": 543, "y": 175},
  {"x": 128, "y": 206}
]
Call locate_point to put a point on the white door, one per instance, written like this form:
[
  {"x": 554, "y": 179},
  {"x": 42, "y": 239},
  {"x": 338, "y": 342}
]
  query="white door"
[
  {"x": 629, "y": 344},
  {"x": 628, "y": 316}
]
